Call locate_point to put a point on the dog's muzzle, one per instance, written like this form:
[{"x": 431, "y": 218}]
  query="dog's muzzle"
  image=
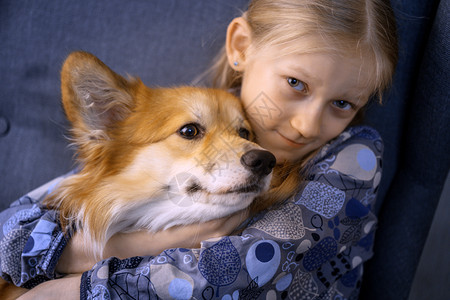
[{"x": 259, "y": 162}]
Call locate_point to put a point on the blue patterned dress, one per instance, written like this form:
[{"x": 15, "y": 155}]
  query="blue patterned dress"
[{"x": 313, "y": 246}]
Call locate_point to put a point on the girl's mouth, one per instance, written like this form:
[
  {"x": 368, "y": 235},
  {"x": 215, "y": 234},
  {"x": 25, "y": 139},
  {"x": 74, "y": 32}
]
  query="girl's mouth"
[{"x": 291, "y": 142}]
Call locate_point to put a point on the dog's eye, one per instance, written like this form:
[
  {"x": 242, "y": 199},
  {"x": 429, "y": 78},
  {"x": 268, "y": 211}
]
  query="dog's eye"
[
  {"x": 244, "y": 133},
  {"x": 189, "y": 131}
]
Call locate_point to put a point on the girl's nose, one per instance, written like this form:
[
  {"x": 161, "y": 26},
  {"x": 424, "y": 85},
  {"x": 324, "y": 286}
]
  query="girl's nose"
[{"x": 308, "y": 122}]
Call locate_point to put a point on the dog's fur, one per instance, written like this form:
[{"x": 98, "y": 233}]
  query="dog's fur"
[{"x": 152, "y": 158}]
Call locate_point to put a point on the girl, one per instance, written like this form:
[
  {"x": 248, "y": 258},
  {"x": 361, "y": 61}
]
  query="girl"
[{"x": 304, "y": 70}]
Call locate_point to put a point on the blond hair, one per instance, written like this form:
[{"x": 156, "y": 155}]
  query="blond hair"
[{"x": 345, "y": 27}]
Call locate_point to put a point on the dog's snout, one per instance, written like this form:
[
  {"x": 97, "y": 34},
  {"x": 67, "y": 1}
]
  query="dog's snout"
[{"x": 260, "y": 162}]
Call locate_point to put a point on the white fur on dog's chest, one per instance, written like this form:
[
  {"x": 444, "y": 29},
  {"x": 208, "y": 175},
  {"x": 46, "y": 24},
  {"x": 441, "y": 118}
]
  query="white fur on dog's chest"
[{"x": 156, "y": 215}]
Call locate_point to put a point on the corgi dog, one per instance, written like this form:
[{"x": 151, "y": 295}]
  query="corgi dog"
[{"x": 152, "y": 158}]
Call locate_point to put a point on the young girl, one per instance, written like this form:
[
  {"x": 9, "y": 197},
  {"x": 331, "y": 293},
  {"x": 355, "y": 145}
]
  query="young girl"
[{"x": 304, "y": 70}]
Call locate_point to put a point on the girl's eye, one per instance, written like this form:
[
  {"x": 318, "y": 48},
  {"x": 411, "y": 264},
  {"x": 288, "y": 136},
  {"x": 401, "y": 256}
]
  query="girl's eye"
[
  {"x": 189, "y": 131},
  {"x": 342, "y": 104},
  {"x": 297, "y": 84}
]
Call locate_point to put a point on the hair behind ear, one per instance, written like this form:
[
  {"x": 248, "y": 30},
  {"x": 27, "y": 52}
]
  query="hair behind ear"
[{"x": 227, "y": 74}]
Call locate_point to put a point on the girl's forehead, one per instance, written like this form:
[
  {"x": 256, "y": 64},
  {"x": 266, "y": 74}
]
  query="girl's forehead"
[{"x": 307, "y": 56}]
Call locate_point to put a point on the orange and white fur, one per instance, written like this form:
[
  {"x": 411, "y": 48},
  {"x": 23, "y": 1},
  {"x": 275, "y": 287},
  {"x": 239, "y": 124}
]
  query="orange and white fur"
[{"x": 152, "y": 158}]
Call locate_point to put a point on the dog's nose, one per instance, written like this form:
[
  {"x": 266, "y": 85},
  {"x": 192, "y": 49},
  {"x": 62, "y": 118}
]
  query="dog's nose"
[{"x": 260, "y": 162}]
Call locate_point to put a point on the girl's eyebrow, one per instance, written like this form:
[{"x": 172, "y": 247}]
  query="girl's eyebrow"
[
  {"x": 357, "y": 98},
  {"x": 304, "y": 74}
]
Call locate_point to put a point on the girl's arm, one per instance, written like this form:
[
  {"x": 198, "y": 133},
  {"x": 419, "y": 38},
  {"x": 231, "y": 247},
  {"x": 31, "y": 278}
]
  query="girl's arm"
[
  {"x": 142, "y": 243},
  {"x": 31, "y": 240},
  {"x": 67, "y": 288}
]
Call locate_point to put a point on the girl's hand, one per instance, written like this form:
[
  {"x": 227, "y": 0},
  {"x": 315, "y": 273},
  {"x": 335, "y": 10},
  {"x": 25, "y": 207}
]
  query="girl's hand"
[
  {"x": 66, "y": 288},
  {"x": 143, "y": 243}
]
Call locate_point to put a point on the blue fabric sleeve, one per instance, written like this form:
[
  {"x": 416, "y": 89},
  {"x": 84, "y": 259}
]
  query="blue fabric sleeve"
[
  {"x": 31, "y": 239},
  {"x": 313, "y": 246}
]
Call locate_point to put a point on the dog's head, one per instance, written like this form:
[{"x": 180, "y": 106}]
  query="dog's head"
[{"x": 186, "y": 150}]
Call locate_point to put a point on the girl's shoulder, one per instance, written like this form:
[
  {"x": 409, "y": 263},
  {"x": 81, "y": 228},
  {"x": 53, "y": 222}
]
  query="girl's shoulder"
[
  {"x": 357, "y": 137},
  {"x": 349, "y": 165},
  {"x": 360, "y": 145}
]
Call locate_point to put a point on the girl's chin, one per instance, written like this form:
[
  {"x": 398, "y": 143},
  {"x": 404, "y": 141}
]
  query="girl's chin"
[
  {"x": 290, "y": 156},
  {"x": 283, "y": 158},
  {"x": 287, "y": 153}
]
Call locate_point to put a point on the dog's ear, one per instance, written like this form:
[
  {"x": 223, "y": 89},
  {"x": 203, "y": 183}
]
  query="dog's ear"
[{"x": 94, "y": 97}]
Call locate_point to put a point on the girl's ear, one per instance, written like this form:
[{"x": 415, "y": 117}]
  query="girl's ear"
[{"x": 237, "y": 43}]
